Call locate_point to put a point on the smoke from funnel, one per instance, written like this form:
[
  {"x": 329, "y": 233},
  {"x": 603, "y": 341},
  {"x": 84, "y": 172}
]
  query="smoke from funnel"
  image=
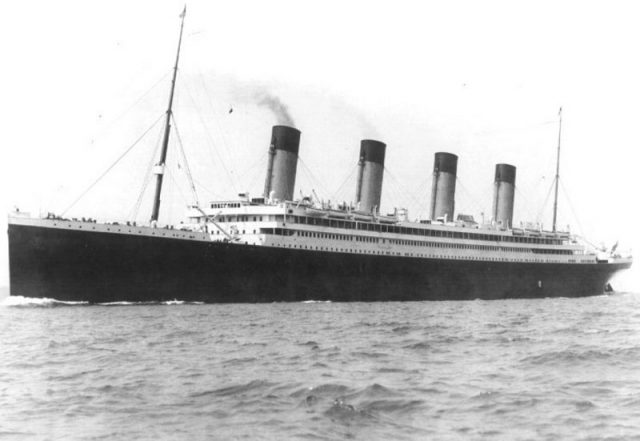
[{"x": 279, "y": 109}]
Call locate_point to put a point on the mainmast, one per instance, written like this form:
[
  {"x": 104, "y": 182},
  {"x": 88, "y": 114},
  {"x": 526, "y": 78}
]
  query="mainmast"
[
  {"x": 555, "y": 200},
  {"x": 159, "y": 168}
]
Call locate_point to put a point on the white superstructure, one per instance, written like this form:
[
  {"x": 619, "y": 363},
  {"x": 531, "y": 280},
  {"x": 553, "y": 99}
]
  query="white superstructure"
[{"x": 303, "y": 225}]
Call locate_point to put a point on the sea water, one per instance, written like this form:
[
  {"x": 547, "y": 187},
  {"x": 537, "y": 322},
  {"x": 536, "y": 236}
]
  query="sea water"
[{"x": 550, "y": 369}]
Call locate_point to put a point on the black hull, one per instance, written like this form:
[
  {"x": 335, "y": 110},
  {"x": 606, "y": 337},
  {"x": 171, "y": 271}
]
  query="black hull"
[{"x": 101, "y": 267}]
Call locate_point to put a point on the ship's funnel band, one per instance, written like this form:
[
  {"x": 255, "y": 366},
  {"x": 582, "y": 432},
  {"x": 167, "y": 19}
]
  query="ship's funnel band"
[
  {"x": 285, "y": 138},
  {"x": 446, "y": 162},
  {"x": 445, "y": 167},
  {"x": 503, "y": 194},
  {"x": 372, "y": 151},
  {"x": 505, "y": 173},
  {"x": 283, "y": 162},
  {"x": 370, "y": 174}
]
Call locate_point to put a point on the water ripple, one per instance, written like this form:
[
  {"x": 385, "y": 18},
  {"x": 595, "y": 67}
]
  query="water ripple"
[{"x": 517, "y": 369}]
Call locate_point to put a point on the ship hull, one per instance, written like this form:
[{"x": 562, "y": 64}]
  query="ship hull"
[{"x": 99, "y": 267}]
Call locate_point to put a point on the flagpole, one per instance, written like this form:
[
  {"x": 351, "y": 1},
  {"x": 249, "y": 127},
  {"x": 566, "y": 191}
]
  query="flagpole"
[
  {"x": 159, "y": 168},
  {"x": 557, "y": 180}
]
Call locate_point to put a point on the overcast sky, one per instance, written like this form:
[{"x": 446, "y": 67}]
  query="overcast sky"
[{"x": 81, "y": 81}]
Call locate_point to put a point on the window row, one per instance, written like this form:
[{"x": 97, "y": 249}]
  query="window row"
[
  {"x": 418, "y": 243},
  {"x": 386, "y": 228}
]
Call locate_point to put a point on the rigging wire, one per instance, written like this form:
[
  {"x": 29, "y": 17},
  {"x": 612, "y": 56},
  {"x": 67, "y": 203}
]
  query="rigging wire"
[
  {"x": 336, "y": 194},
  {"x": 512, "y": 129},
  {"x": 544, "y": 204},
  {"x": 211, "y": 143},
  {"x": 528, "y": 191},
  {"x": 527, "y": 204},
  {"x": 395, "y": 192},
  {"x": 254, "y": 178},
  {"x": 261, "y": 160},
  {"x": 175, "y": 183},
  {"x": 424, "y": 206},
  {"x": 215, "y": 195},
  {"x": 223, "y": 133},
  {"x": 306, "y": 174},
  {"x": 255, "y": 172},
  {"x": 312, "y": 176},
  {"x": 114, "y": 164},
  {"x": 134, "y": 104},
  {"x": 475, "y": 201},
  {"x": 146, "y": 180},
  {"x": 184, "y": 159},
  {"x": 403, "y": 190},
  {"x": 573, "y": 211},
  {"x": 398, "y": 196}
]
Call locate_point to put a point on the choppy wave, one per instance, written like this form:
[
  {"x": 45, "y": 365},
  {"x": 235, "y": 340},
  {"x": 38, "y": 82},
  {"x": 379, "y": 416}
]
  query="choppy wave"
[
  {"x": 584, "y": 355},
  {"x": 529, "y": 369}
]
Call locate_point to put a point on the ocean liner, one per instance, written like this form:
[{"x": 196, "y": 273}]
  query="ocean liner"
[{"x": 278, "y": 248}]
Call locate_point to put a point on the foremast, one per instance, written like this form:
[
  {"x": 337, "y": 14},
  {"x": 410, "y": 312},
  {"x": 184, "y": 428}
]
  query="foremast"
[{"x": 159, "y": 168}]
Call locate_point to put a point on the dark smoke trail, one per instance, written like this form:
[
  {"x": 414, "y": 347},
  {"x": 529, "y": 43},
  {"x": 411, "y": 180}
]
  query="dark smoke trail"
[{"x": 279, "y": 109}]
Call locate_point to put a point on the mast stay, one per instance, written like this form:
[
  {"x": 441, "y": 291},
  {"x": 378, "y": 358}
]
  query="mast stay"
[
  {"x": 160, "y": 166},
  {"x": 557, "y": 180}
]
